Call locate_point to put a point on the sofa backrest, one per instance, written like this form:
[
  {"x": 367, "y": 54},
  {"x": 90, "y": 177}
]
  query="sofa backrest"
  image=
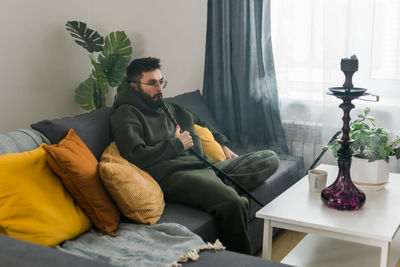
[
  {"x": 92, "y": 127},
  {"x": 21, "y": 140},
  {"x": 194, "y": 102}
]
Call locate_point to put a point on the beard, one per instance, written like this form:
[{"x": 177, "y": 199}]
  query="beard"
[{"x": 152, "y": 101}]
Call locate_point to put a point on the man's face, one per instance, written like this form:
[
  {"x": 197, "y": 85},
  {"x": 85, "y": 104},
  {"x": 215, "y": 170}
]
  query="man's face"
[{"x": 149, "y": 85}]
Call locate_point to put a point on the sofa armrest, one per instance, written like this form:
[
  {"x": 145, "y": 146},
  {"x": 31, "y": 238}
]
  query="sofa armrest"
[{"x": 16, "y": 253}]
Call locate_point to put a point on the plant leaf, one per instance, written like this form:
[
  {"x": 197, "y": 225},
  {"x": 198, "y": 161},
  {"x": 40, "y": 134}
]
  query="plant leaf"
[
  {"x": 117, "y": 42},
  {"x": 99, "y": 94},
  {"x": 91, "y": 94},
  {"x": 89, "y": 39},
  {"x": 113, "y": 67},
  {"x": 84, "y": 94}
]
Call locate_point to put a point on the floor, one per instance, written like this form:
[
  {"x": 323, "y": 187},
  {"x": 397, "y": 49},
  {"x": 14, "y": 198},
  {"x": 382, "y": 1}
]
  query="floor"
[{"x": 283, "y": 243}]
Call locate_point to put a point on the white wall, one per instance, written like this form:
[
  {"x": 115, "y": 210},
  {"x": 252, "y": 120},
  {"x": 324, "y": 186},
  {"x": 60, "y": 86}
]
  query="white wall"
[{"x": 40, "y": 65}]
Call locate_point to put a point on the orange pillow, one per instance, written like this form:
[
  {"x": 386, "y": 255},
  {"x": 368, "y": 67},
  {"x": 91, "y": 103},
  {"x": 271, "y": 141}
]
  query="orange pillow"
[
  {"x": 75, "y": 164},
  {"x": 210, "y": 147},
  {"x": 136, "y": 193}
]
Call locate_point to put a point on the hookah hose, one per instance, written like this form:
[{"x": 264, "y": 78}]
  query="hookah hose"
[
  {"x": 215, "y": 168},
  {"x": 323, "y": 152}
]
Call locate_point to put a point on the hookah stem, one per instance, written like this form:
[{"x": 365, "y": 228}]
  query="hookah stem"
[{"x": 215, "y": 168}]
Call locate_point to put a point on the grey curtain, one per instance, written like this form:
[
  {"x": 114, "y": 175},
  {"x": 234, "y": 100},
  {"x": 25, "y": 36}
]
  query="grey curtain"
[{"x": 239, "y": 76}]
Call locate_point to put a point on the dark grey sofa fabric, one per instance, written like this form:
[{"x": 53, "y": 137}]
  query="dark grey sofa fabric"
[
  {"x": 231, "y": 259},
  {"x": 194, "y": 102},
  {"x": 197, "y": 221},
  {"x": 92, "y": 127},
  {"x": 17, "y": 253}
]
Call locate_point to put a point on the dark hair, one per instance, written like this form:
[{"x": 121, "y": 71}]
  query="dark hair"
[{"x": 134, "y": 72}]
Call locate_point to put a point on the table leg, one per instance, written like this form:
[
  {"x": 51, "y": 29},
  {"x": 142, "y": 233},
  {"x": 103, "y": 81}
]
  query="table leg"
[
  {"x": 385, "y": 255},
  {"x": 267, "y": 240}
]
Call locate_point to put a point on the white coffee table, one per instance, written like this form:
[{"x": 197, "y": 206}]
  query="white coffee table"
[{"x": 297, "y": 209}]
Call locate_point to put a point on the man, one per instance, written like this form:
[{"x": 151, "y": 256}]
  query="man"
[{"x": 146, "y": 137}]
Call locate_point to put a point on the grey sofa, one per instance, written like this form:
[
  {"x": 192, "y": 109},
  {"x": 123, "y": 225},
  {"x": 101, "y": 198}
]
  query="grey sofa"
[{"x": 94, "y": 130}]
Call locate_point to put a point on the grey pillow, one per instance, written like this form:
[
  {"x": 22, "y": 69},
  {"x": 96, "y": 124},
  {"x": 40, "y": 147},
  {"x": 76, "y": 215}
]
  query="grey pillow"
[
  {"x": 194, "y": 102},
  {"x": 21, "y": 140},
  {"x": 92, "y": 127}
]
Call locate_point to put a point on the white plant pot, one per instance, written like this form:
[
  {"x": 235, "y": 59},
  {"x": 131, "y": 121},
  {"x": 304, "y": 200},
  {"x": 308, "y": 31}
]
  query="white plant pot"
[{"x": 369, "y": 176}]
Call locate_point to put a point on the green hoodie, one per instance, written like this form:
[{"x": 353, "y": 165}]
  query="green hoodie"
[{"x": 145, "y": 135}]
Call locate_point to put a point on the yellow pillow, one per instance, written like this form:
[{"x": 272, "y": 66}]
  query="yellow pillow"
[
  {"x": 210, "y": 147},
  {"x": 136, "y": 193},
  {"x": 34, "y": 205}
]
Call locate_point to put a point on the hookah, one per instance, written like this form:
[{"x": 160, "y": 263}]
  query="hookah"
[{"x": 342, "y": 194}]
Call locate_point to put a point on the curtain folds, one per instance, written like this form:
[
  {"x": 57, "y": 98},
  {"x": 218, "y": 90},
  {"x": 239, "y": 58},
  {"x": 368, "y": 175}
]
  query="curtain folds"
[{"x": 239, "y": 77}]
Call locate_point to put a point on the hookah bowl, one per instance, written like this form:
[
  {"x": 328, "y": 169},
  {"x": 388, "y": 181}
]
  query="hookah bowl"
[{"x": 342, "y": 194}]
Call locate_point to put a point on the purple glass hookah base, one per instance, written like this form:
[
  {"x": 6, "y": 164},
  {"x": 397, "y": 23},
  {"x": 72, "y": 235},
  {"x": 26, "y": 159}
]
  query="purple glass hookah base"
[{"x": 343, "y": 194}]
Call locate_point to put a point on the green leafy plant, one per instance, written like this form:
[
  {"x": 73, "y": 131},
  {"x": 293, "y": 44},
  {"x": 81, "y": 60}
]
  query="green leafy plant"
[
  {"x": 370, "y": 142},
  {"x": 109, "y": 57}
]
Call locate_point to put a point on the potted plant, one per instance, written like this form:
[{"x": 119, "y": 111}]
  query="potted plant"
[
  {"x": 109, "y": 57},
  {"x": 372, "y": 150}
]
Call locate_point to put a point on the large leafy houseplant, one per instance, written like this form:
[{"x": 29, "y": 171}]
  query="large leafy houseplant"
[
  {"x": 370, "y": 142},
  {"x": 109, "y": 57}
]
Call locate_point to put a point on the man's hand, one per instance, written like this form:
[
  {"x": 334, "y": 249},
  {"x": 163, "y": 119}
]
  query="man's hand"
[
  {"x": 185, "y": 138},
  {"x": 228, "y": 153}
]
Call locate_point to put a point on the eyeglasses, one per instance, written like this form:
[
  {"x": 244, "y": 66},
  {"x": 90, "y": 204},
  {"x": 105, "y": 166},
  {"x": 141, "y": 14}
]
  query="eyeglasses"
[{"x": 155, "y": 84}]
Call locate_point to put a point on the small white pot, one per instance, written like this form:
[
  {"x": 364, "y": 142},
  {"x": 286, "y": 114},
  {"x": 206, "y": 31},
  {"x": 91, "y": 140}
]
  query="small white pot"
[{"x": 370, "y": 176}]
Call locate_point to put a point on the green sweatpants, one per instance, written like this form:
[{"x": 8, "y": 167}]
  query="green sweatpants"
[{"x": 202, "y": 189}]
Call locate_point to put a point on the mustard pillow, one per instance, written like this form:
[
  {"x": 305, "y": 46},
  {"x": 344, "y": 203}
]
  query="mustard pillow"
[
  {"x": 34, "y": 206},
  {"x": 210, "y": 147},
  {"x": 136, "y": 193}
]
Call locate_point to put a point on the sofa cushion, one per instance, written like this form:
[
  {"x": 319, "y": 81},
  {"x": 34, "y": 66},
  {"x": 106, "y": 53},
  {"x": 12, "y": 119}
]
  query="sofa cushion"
[
  {"x": 73, "y": 162},
  {"x": 92, "y": 127},
  {"x": 209, "y": 146},
  {"x": 21, "y": 140},
  {"x": 194, "y": 102},
  {"x": 136, "y": 193},
  {"x": 34, "y": 205},
  {"x": 197, "y": 221}
]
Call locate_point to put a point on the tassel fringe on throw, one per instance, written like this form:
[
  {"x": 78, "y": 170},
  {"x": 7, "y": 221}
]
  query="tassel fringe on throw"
[{"x": 194, "y": 253}]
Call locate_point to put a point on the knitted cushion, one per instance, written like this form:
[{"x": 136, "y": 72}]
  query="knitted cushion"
[{"x": 136, "y": 193}]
